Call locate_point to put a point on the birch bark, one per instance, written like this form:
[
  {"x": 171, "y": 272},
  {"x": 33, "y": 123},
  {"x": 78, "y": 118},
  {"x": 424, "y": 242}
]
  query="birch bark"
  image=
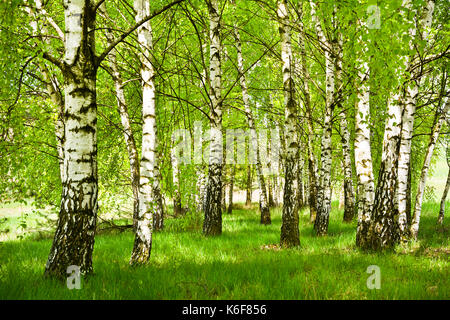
[
  {"x": 73, "y": 242},
  {"x": 150, "y": 201},
  {"x": 363, "y": 153},
  {"x": 414, "y": 229},
  {"x": 254, "y": 141},
  {"x": 409, "y": 109},
  {"x": 324, "y": 192},
  {"x": 312, "y": 167},
  {"x": 122, "y": 108},
  {"x": 289, "y": 228},
  {"x": 212, "y": 224}
]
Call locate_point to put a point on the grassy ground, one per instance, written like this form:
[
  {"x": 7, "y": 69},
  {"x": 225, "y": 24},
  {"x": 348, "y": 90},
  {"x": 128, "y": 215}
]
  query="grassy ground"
[{"x": 243, "y": 263}]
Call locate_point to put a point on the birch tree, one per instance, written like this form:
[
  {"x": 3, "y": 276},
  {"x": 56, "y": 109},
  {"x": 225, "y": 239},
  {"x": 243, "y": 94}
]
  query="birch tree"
[
  {"x": 74, "y": 237},
  {"x": 408, "y": 112},
  {"x": 150, "y": 201},
  {"x": 363, "y": 153},
  {"x": 289, "y": 228},
  {"x": 212, "y": 224},
  {"x": 312, "y": 167},
  {"x": 324, "y": 193},
  {"x": 414, "y": 229},
  {"x": 122, "y": 108},
  {"x": 349, "y": 198},
  {"x": 440, "y": 220},
  {"x": 254, "y": 141}
]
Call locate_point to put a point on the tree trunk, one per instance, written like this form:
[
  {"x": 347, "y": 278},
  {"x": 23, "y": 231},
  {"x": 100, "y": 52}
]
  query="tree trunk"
[
  {"x": 212, "y": 224},
  {"x": 440, "y": 220},
  {"x": 349, "y": 198},
  {"x": 126, "y": 126},
  {"x": 363, "y": 153},
  {"x": 382, "y": 230},
  {"x": 289, "y": 228},
  {"x": 324, "y": 194},
  {"x": 52, "y": 85},
  {"x": 248, "y": 189},
  {"x": 310, "y": 125},
  {"x": 409, "y": 109},
  {"x": 254, "y": 141},
  {"x": 201, "y": 187},
  {"x": 176, "y": 186},
  {"x": 150, "y": 202},
  {"x": 414, "y": 229},
  {"x": 74, "y": 237},
  {"x": 299, "y": 178},
  {"x": 230, "y": 190}
]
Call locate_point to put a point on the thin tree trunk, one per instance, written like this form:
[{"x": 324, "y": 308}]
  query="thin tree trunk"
[
  {"x": 201, "y": 187},
  {"x": 289, "y": 229},
  {"x": 324, "y": 194},
  {"x": 73, "y": 243},
  {"x": 349, "y": 198},
  {"x": 224, "y": 182},
  {"x": 414, "y": 229},
  {"x": 212, "y": 224},
  {"x": 363, "y": 154},
  {"x": 270, "y": 185},
  {"x": 254, "y": 141},
  {"x": 409, "y": 109},
  {"x": 272, "y": 203},
  {"x": 230, "y": 190},
  {"x": 52, "y": 85},
  {"x": 299, "y": 178},
  {"x": 310, "y": 125},
  {"x": 122, "y": 108},
  {"x": 248, "y": 189},
  {"x": 150, "y": 202},
  {"x": 440, "y": 220},
  {"x": 176, "y": 186}
]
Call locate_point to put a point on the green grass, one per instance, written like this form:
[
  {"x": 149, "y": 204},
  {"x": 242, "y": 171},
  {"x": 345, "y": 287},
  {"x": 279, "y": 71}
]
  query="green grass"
[{"x": 237, "y": 265}]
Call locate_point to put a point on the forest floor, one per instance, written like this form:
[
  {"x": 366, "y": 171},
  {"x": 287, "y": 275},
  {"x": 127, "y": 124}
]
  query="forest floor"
[{"x": 245, "y": 262}]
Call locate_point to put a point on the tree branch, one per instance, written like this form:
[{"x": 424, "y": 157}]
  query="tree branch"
[{"x": 129, "y": 31}]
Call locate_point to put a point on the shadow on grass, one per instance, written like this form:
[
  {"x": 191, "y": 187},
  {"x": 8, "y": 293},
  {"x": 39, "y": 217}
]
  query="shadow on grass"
[{"x": 237, "y": 265}]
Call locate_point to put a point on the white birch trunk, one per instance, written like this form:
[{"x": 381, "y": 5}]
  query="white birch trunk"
[
  {"x": 414, "y": 229},
  {"x": 254, "y": 141},
  {"x": 289, "y": 228},
  {"x": 128, "y": 134},
  {"x": 312, "y": 167},
  {"x": 74, "y": 237},
  {"x": 324, "y": 192},
  {"x": 412, "y": 90},
  {"x": 212, "y": 224},
  {"x": 363, "y": 153},
  {"x": 150, "y": 201}
]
